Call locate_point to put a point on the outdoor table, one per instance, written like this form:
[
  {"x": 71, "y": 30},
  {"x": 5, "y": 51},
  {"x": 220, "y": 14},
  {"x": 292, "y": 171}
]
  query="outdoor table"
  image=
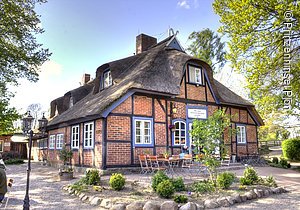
[{"x": 170, "y": 163}]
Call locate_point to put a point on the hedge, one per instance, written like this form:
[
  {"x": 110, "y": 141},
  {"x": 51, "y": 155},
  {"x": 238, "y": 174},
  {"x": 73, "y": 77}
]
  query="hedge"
[{"x": 291, "y": 149}]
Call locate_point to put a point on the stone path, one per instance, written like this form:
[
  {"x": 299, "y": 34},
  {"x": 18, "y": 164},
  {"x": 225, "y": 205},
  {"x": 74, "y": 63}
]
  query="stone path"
[{"x": 45, "y": 191}]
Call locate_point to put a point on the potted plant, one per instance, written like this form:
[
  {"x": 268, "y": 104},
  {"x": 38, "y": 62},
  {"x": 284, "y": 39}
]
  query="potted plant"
[
  {"x": 66, "y": 172},
  {"x": 166, "y": 154}
]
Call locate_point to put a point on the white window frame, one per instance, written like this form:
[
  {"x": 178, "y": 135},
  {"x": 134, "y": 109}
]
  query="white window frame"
[
  {"x": 59, "y": 141},
  {"x": 241, "y": 134},
  {"x": 180, "y": 136},
  {"x": 52, "y": 141},
  {"x": 75, "y": 137},
  {"x": 88, "y": 135},
  {"x": 1, "y": 146},
  {"x": 197, "y": 75},
  {"x": 107, "y": 79},
  {"x": 142, "y": 132}
]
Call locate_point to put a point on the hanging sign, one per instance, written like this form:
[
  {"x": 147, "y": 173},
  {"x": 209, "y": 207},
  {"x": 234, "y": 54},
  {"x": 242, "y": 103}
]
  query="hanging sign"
[{"x": 197, "y": 113}]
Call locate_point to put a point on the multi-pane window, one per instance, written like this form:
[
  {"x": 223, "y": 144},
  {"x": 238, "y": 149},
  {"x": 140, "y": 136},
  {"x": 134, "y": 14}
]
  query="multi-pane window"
[
  {"x": 241, "y": 134},
  {"x": 59, "y": 141},
  {"x": 107, "y": 80},
  {"x": 195, "y": 75},
  {"x": 179, "y": 133},
  {"x": 51, "y": 141},
  {"x": 75, "y": 137},
  {"x": 143, "y": 131},
  {"x": 88, "y": 135},
  {"x": 42, "y": 143},
  {"x": 1, "y": 146}
]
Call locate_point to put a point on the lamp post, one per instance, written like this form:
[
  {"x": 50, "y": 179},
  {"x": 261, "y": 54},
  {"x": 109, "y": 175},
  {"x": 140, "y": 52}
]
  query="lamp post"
[{"x": 27, "y": 125}]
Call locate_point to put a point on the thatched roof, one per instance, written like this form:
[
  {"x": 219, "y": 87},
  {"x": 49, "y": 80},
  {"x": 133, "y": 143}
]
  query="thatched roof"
[{"x": 159, "y": 69}]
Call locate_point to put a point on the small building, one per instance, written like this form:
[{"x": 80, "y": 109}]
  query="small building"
[{"x": 130, "y": 106}]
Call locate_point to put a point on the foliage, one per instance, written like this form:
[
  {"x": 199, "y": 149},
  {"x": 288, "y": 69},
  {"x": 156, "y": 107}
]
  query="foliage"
[
  {"x": 207, "y": 46},
  {"x": 284, "y": 163},
  {"x": 65, "y": 155},
  {"x": 259, "y": 47},
  {"x": 225, "y": 179},
  {"x": 275, "y": 160},
  {"x": 270, "y": 181},
  {"x": 14, "y": 161},
  {"x": 264, "y": 150},
  {"x": 203, "y": 187},
  {"x": 250, "y": 176},
  {"x": 291, "y": 149},
  {"x": 180, "y": 198},
  {"x": 117, "y": 181},
  {"x": 208, "y": 135},
  {"x": 92, "y": 177},
  {"x": 7, "y": 116},
  {"x": 80, "y": 185},
  {"x": 158, "y": 178},
  {"x": 178, "y": 184},
  {"x": 165, "y": 189},
  {"x": 10, "y": 155}
]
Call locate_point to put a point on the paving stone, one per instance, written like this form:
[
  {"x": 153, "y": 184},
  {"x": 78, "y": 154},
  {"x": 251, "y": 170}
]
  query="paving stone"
[
  {"x": 188, "y": 206},
  {"x": 169, "y": 205}
]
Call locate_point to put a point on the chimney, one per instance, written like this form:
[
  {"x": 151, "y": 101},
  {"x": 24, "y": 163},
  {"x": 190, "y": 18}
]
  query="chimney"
[
  {"x": 85, "y": 79},
  {"x": 144, "y": 42}
]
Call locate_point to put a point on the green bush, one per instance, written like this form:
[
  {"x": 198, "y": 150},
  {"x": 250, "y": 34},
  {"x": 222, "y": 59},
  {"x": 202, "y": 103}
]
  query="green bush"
[
  {"x": 284, "y": 163},
  {"x": 291, "y": 149},
  {"x": 178, "y": 184},
  {"x": 180, "y": 198},
  {"x": 92, "y": 177},
  {"x": 117, "y": 181},
  {"x": 275, "y": 160},
  {"x": 80, "y": 185},
  {"x": 245, "y": 181},
  {"x": 158, "y": 178},
  {"x": 14, "y": 161},
  {"x": 203, "y": 187},
  {"x": 225, "y": 179},
  {"x": 270, "y": 181},
  {"x": 165, "y": 189},
  {"x": 250, "y": 175}
]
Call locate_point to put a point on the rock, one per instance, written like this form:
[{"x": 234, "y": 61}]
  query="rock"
[
  {"x": 266, "y": 192},
  {"x": 151, "y": 205},
  {"x": 137, "y": 205},
  {"x": 91, "y": 198},
  {"x": 281, "y": 190},
  {"x": 199, "y": 206},
  {"x": 223, "y": 202},
  {"x": 259, "y": 193},
  {"x": 243, "y": 198},
  {"x": 169, "y": 205},
  {"x": 250, "y": 195},
  {"x": 276, "y": 190},
  {"x": 230, "y": 200},
  {"x": 188, "y": 206},
  {"x": 106, "y": 203},
  {"x": 76, "y": 192},
  {"x": 96, "y": 201},
  {"x": 121, "y": 206},
  {"x": 236, "y": 198},
  {"x": 71, "y": 191},
  {"x": 211, "y": 204},
  {"x": 85, "y": 198},
  {"x": 81, "y": 195}
]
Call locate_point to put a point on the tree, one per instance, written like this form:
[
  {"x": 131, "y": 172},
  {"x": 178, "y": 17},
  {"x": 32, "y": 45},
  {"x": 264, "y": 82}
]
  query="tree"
[
  {"x": 20, "y": 54},
  {"x": 35, "y": 111},
  {"x": 207, "y": 46},
  {"x": 264, "y": 46},
  {"x": 208, "y": 135}
]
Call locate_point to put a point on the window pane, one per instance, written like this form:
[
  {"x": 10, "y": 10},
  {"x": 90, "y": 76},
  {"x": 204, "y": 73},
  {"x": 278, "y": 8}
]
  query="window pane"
[
  {"x": 138, "y": 139},
  {"x": 137, "y": 124},
  {"x": 147, "y": 139},
  {"x": 198, "y": 75},
  {"x": 182, "y": 125},
  {"x": 147, "y": 124},
  {"x": 147, "y": 132},
  {"x": 177, "y": 125},
  {"x": 192, "y": 74}
]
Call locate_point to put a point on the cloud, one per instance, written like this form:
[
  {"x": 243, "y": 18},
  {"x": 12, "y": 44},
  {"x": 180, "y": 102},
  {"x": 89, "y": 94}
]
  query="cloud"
[
  {"x": 183, "y": 4},
  {"x": 50, "y": 69}
]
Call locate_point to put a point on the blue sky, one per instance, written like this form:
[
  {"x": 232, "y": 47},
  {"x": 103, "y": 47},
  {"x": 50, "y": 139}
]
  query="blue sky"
[{"x": 84, "y": 34}]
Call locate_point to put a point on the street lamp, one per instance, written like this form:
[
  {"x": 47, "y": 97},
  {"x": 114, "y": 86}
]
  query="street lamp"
[{"x": 27, "y": 125}]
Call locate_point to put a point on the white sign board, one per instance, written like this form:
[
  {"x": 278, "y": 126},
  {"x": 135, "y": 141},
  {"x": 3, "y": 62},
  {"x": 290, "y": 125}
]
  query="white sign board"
[
  {"x": 197, "y": 113},
  {"x": 7, "y": 144}
]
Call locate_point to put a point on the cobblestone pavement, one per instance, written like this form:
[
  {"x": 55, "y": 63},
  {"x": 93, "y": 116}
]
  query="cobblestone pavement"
[{"x": 45, "y": 190}]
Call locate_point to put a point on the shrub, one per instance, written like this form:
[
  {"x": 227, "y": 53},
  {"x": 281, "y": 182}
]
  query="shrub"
[
  {"x": 14, "y": 161},
  {"x": 178, "y": 184},
  {"x": 92, "y": 177},
  {"x": 10, "y": 155},
  {"x": 245, "y": 181},
  {"x": 291, "y": 149},
  {"x": 250, "y": 175},
  {"x": 270, "y": 181},
  {"x": 283, "y": 163},
  {"x": 275, "y": 160},
  {"x": 158, "y": 178},
  {"x": 117, "y": 181},
  {"x": 80, "y": 185},
  {"x": 180, "y": 198},
  {"x": 203, "y": 187},
  {"x": 225, "y": 179},
  {"x": 165, "y": 189}
]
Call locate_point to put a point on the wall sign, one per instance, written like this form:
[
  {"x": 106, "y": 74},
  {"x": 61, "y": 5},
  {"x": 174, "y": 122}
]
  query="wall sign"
[
  {"x": 7, "y": 144},
  {"x": 197, "y": 113}
]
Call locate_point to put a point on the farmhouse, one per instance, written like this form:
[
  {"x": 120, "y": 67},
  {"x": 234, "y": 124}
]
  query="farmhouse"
[{"x": 145, "y": 103}]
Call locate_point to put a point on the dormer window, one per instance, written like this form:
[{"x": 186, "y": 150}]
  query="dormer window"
[
  {"x": 71, "y": 102},
  {"x": 107, "y": 80},
  {"x": 195, "y": 74}
]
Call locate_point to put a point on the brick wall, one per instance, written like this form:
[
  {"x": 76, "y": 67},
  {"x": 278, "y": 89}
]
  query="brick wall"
[
  {"x": 6, "y": 140},
  {"x": 118, "y": 128},
  {"x": 159, "y": 106},
  {"x": 195, "y": 93},
  {"x": 160, "y": 134},
  {"x": 125, "y": 107},
  {"x": 98, "y": 143},
  {"x": 142, "y": 105},
  {"x": 118, "y": 153}
]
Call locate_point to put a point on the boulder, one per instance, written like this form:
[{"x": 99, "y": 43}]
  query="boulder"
[
  {"x": 223, "y": 202},
  {"x": 266, "y": 192},
  {"x": 85, "y": 198},
  {"x": 230, "y": 200},
  {"x": 91, "y": 198},
  {"x": 188, "y": 206},
  {"x": 243, "y": 198},
  {"x": 211, "y": 204},
  {"x": 71, "y": 191},
  {"x": 236, "y": 198},
  {"x": 169, "y": 205},
  {"x": 121, "y": 206},
  {"x": 276, "y": 190},
  {"x": 251, "y": 195},
  {"x": 81, "y": 195},
  {"x": 151, "y": 205},
  {"x": 137, "y": 205},
  {"x": 106, "y": 203},
  {"x": 259, "y": 193},
  {"x": 199, "y": 206},
  {"x": 96, "y": 201}
]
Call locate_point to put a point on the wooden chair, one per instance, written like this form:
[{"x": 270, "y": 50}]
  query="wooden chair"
[
  {"x": 154, "y": 164},
  {"x": 144, "y": 164}
]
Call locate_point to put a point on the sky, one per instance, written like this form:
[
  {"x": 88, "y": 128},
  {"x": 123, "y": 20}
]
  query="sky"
[{"x": 84, "y": 34}]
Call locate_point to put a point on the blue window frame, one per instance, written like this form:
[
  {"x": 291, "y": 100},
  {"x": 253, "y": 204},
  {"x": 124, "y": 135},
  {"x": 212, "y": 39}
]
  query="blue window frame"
[
  {"x": 241, "y": 135},
  {"x": 179, "y": 133},
  {"x": 142, "y": 132}
]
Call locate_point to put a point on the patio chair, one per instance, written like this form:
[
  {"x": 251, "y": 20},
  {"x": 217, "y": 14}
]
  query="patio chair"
[
  {"x": 144, "y": 164},
  {"x": 154, "y": 164}
]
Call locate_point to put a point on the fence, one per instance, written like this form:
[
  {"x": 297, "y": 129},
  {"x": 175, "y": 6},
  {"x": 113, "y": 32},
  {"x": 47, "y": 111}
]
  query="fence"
[{"x": 269, "y": 143}]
